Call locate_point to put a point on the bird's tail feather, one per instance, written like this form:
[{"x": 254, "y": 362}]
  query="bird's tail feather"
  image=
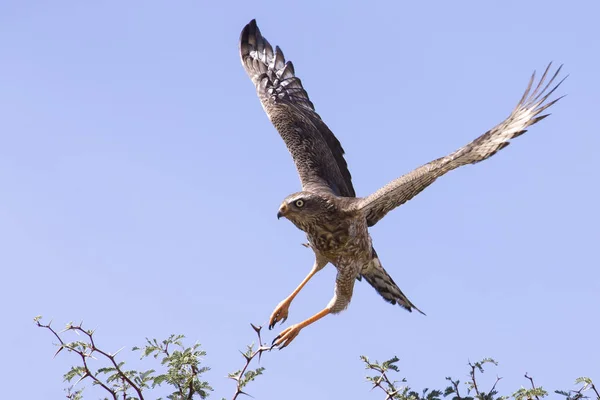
[{"x": 382, "y": 282}]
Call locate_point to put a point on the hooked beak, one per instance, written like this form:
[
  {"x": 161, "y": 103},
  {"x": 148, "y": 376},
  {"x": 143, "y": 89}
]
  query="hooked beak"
[{"x": 282, "y": 210}]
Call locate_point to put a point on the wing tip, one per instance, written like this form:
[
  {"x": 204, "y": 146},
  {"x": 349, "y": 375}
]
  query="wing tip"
[
  {"x": 249, "y": 33},
  {"x": 419, "y": 310},
  {"x": 409, "y": 307},
  {"x": 251, "y": 25}
]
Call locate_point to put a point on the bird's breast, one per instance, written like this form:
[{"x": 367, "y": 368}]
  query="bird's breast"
[{"x": 341, "y": 240}]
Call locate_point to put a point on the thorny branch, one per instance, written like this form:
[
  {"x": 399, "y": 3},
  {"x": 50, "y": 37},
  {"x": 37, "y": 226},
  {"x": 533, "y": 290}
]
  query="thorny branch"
[
  {"x": 183, "y": 367},
  {"x": 137, "y": 381},
  {"x": 84, "y": 356},
  {"x": 111, "y": 357},
  {"x": 243, "y": 376},
  {"x": 383, "y": 381},
  {"x": 391, "y": 388}
]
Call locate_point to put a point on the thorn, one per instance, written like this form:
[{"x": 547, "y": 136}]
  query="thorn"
[
  {"x": 82, "y": 378},
  {"x": 117, "y": 352},
  {"x": 256, "y": 328},
  {"x": 58, "y": 351},
  {"x": 245, "y": 356}
]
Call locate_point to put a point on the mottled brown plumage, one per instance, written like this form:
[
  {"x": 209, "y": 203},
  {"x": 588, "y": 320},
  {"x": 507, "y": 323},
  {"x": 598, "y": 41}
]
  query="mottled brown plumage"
[{"x": 335, "y": 221}]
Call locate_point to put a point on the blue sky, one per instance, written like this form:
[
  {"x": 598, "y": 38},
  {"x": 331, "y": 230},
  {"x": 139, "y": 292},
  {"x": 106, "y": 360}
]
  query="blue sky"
[{"x": 140, "y": 181}]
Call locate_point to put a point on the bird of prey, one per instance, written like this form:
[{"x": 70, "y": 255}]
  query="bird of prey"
[{"x": 335, "y": 221}]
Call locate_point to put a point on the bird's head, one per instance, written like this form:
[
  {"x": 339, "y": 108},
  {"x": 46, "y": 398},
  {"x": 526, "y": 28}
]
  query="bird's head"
[{"x": 304, "y": 208}]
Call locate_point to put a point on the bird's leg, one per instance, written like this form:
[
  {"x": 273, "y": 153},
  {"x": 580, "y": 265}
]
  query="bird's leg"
[
  {"x": 290, "y": 333},
  {"x": 281, "y": 311},
  {"x": 344, "y": 286}
]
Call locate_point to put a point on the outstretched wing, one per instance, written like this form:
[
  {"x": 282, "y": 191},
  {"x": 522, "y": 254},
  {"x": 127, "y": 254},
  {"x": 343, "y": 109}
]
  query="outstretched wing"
[
  {"x": 526, "y": 113},
  {"x": 317, "y": 153}
]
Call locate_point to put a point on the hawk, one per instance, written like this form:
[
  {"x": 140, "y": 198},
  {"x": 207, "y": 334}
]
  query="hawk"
[{"x": 335, "y": 221}]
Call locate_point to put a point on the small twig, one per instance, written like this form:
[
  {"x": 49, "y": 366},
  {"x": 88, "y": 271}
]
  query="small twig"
[
  {"x": 595, "y": 391},
  {"x": 495, "y": 383},
  {"x": 579, "y": 395},
  {"x": 455, "y": 384},
  {"x": 473, "y": 379},
  {"x": 532, "y": 384}
]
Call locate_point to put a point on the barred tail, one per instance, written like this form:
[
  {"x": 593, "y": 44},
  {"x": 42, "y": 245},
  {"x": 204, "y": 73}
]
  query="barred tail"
[{"x": 376, "y": 275}]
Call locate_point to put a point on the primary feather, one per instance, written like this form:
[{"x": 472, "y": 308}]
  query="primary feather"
[{"x": 526, "y": 113}]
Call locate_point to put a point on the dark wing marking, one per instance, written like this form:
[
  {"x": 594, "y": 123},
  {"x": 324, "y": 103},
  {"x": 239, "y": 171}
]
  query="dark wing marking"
[
  {"x": 317, "y": 153},
  {"x": 525, "y": 114}
]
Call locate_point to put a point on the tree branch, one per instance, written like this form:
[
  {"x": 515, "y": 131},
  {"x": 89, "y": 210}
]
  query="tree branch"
[
  {"x": 83, "y": 355},
  {"x": 249, "y": 356},
  {"x": 112, "y": 360}
]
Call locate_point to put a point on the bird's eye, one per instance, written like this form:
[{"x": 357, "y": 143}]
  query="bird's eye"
[{"x": 299, "y": 203}]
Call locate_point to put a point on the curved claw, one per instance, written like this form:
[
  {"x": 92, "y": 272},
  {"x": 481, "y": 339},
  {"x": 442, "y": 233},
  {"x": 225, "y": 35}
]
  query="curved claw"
[
  {"x": 275, "y": 321},
  {"x": 286, "y": 337},
  {"x": 280, "y": 314}
]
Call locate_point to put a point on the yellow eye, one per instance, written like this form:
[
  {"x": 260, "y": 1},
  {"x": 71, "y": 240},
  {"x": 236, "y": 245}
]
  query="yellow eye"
[{"x": 299, "y": 203}]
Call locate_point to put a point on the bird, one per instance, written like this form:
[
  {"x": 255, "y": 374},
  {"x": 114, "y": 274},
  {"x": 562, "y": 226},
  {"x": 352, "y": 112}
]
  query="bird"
[{"x": 335, "y": 220}]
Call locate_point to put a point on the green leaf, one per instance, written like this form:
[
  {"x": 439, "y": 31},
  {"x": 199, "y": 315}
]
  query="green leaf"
[{"x": 583, "y": 379}]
